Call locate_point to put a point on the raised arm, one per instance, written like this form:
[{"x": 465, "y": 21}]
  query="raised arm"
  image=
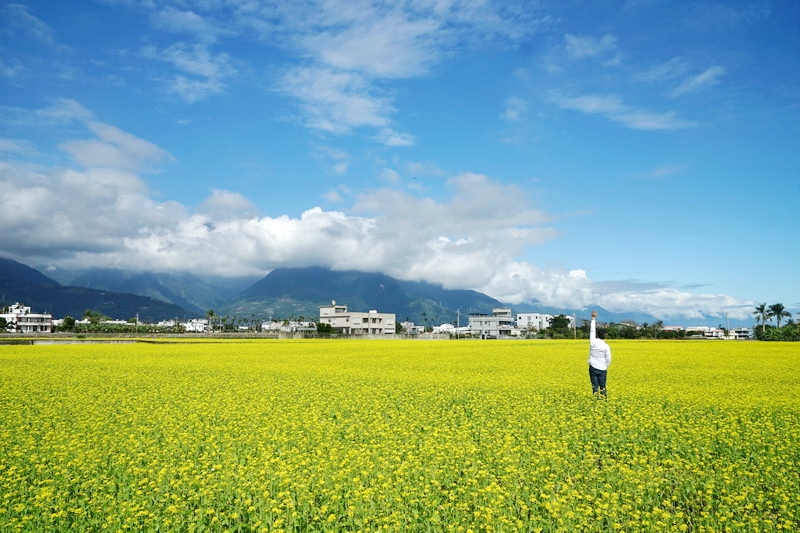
[{"x": 593, "y": 328}]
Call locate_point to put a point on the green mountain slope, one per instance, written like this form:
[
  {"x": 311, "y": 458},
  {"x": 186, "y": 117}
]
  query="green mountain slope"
[
  {"x": 299, "y": 292},
  {"x": 20, "y": 283}
]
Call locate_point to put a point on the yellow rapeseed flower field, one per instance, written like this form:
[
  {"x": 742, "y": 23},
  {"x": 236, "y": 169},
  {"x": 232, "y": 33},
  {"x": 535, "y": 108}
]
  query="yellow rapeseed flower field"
[{"x": 459, "y": 436}]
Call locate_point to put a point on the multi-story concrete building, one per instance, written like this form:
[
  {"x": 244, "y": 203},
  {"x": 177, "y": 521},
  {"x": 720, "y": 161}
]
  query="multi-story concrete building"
[
  {"x": 196, "y": 325},
  {"x": 497, "y": 325},
  {"x": 740, "y": 333},
  {"x": 538, "y": 321},
  {"x": 355, "y": 322},
  {"x": 20, "y": 319}
]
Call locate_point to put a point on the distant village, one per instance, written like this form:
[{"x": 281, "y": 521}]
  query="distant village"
[{"x": 337, "y": 319}]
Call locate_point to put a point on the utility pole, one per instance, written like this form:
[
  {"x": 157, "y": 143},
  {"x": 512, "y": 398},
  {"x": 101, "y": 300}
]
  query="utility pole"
[{"x": 727, "y": 326}]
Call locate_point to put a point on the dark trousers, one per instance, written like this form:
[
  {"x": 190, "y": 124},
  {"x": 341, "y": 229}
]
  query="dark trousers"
[{"x": 598, "y": 378}]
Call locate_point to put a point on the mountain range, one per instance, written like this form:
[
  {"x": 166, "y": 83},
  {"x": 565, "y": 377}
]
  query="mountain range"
[
  {"x": 26, "y": 285},
  {"x": 283, "y": 293}
]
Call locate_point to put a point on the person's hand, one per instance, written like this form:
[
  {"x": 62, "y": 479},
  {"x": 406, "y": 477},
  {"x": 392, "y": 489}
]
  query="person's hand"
[{"x": 594, "y": 314}]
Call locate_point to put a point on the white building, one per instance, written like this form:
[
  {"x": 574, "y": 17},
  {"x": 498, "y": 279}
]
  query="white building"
[
  {"x": 538, "y": 321},
  {"x": 289, "y": 326},
  {"x": 740, "y": 333},
  {"x": 714, "y": 333},
  {"x": 196, "y": 325},
  {"x": 357, "y": 323},
  {"x": 20, "y": 319},
  {"x": 495, "y": 326},
  {"x": 412, "y": 329},
  {"x": 448, "y": 329}
]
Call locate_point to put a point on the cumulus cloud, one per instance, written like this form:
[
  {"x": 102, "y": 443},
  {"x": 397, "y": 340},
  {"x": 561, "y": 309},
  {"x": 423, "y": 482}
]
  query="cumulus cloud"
[
  {"x": 101, "y": 213},
  {"x": 106, "y": 217},
  {"x": 666, "y": 302}
]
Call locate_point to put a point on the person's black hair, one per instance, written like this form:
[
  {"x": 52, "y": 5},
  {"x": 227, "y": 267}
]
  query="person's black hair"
[{"x": 601, "y": 334}]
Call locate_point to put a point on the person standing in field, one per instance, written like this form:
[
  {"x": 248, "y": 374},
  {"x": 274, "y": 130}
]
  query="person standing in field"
[{"x": 599, "y": 359}]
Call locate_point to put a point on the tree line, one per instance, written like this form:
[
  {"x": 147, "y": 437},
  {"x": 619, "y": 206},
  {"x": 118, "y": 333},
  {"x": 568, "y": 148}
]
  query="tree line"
[
  {"x": 777, "y": 312},
  {"x": 559, "y": 326}
]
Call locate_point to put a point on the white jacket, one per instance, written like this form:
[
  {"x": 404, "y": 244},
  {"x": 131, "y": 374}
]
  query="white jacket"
[{"x": 599, "y": 351}]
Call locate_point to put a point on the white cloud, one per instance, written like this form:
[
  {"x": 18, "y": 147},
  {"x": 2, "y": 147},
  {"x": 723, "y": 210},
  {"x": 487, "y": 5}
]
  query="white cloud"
[
  {"x": 339, "y": 159},
  {"x": 103, "y": 214},
  {"x": 674, "y": 68},
  {"x": 193, "y": 90},
  {"x": 227, "y": 204},
  {"x": 16, "y": 146},
  {"x": 17, "y": 19},
  {"x": 203, "y": 71},
  {"x": 186, "y": 22},
  {"x": 666, "y": 303},
  {"x": 613, "y": 108},
  {"x": 390, "y": 175},
  {"x": 586, "y": 49},
  {"x": 105, "y": 217},
  {"x": 391, "y": 45},
  {"x": 707, "y": 78},
  {"x": 64, "y": 110},
  {"x": 582, "y": 46},
  {"x": 347, "y": 50},
  {"x": 661, "y": 172},
  {"x": 113, "y": 148},
  {"x": 644, "y": 120},
  {"x": 351, "y": 48},
  {"x": 198, "y": 60},
  {"x": 336, "y": 102},
  {"x": 333, "y": 196},
  {"x": 389, "y": 137},
  {"x": 608, "y": 105},
  {"x": 514, "y": 109}
]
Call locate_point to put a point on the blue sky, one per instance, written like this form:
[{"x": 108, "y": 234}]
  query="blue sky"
[{"x": 633, "y": 155}]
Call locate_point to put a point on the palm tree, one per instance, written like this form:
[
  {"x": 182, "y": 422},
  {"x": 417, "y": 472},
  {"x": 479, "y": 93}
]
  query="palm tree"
[
  {"x": 762, "y": 313},
  {"x": 778, "y": 311},
  {"x": 210, "y": 317}
]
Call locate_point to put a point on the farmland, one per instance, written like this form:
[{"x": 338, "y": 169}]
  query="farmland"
[{"x": 463, "y": 436}]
